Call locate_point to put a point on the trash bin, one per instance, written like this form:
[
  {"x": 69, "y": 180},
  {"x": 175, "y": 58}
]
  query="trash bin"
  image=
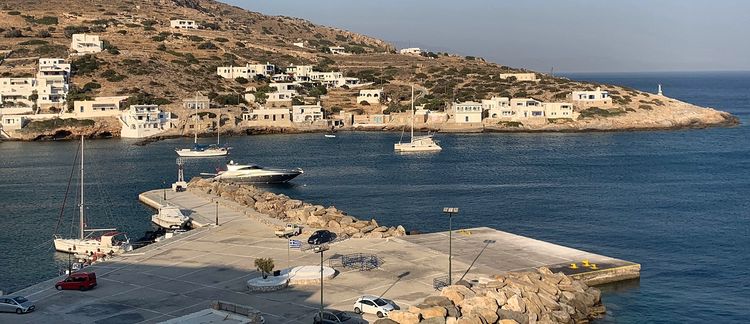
[{"x": 276, "y": 273}]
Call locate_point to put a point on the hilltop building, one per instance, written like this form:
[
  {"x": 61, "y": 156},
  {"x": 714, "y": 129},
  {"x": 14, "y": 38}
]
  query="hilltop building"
[
  {"x": 307, "y": 114},
  {"x": 99, "y": 107},
  {"x": 371, "y": 96},
  {"x": 144, "y": 121},
  {"x": 338, "y": 50},
  {"x": 520, "y": 76},
  {"x": 411, "y": 51},
  {"x": 183, "y": 24},
  {"x": 86, "y": 44},
  {"x": 199, "y": 101}
]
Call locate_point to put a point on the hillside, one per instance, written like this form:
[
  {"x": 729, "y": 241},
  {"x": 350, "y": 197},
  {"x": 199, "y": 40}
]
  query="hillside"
[{"x": 153, "y": 63}]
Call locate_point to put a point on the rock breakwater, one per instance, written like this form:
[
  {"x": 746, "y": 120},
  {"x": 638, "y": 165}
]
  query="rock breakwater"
[
  {"x": 512, "y": 298},
  {"x": 290, "y": 210}
]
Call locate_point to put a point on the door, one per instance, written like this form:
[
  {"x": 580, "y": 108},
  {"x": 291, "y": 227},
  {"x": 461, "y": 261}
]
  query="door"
[
  {"x": 6, "y": 305},
  {"x": 369, "y": 307}
]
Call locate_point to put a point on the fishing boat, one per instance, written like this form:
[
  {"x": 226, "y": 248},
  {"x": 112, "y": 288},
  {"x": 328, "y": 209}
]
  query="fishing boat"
[
  {"x": 256, "y": 174},
  {"x": 170, "y": 217},
  {"x": 202, "y": 150},
  {"x": 424, "y": 143},
  {"x": 109, "y": 242}
]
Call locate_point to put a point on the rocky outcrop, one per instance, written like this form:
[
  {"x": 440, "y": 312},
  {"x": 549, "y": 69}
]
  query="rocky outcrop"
[
  {"x": 295, "y": 211},
  {"x": 513, "y": 298}
]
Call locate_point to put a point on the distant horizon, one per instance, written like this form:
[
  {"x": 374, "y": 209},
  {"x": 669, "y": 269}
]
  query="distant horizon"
[{"x": 578, "y": 36}]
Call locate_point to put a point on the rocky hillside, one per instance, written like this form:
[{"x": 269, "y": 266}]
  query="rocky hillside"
[{"x": 153, "y": 63}]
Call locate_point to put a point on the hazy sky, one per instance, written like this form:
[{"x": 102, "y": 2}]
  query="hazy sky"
[{"x": 571, "y": 35}]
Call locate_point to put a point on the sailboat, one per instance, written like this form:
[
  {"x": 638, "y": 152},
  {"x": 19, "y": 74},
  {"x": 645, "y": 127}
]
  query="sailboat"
[
  {"x": 202, "y": 150},
  {"x": 423, "y": 143},
  {"x": 109, "y": 242}
]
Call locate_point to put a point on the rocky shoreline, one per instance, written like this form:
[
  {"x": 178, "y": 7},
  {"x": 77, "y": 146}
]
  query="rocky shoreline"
[
  {"x": 290, "y": 210},
  {"x": 513, "y": 298}
]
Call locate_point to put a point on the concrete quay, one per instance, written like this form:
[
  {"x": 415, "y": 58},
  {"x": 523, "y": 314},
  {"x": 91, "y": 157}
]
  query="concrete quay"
[{"x": 184, "y": 274}]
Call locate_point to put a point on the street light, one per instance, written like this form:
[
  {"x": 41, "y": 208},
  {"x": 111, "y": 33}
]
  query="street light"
[
  {"x": 164, "y": 185},
  {"x": 217, "y": 212},
  {"x": 320, "y": 249},
  {"x": 450, "y": 211},
  {"x": 70, "y": 265}
]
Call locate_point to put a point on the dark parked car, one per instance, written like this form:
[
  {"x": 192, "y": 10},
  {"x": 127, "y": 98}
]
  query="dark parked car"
[
  {"x": 333, "y": 317},
  {"x": 78, "y": 281},
  {"x": 320, "y": 237},
  {"x": 18, "y": 305}
]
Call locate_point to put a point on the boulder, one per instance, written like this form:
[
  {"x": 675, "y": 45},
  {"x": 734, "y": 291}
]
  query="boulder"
[
  {"x": 400, "y": 231},
  {"x": 451, "y": 320},
  {"x": 403, "y": 317},
  {"x": 314, "y": 220},
  {"x": 437, "y": 301},
  {"x": 350, "y": 230},
  {"x": 385, "y": 321},
  {"x": 380, "y": 229},
  {"x": 470, "y": 319},
  {"x": 506, "y": 321},
  {"x": 457, "y": 293},
  {"x": 596, "y": 293},
  {"x": 531, "y": 306},
  {"x": 489, "y": 316},
  {"x": 561, "y": 316},
  {"x": 367, "y": 228},
  {"x": 518, "y": 317},
  {"x": 515, "y": 303},
  {"x": 499, "y": 296},
  {"x": 333, "y": 226},
  {"x": 346, "y": 220},
  {"x": 470, "y": 303},
  {"x": 374, "y": 235},
  {"x": 433, "y": 311},
  {"x": 433, "y": 320}
]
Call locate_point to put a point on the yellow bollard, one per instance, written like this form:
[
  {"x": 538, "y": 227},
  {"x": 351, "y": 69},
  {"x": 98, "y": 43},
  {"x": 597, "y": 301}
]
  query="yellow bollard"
[
  {"x": 573, "y": 266},
  {"x": 585, "y": 263},
  {"x": 593, "y": 266}
]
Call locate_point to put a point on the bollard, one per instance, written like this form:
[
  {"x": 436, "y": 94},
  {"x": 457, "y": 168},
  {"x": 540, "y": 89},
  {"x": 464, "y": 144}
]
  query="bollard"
[
  {"x": 593, "y": 266},
  {"x": 585, "y": 263},
  {"x": 573, "y": 266}
]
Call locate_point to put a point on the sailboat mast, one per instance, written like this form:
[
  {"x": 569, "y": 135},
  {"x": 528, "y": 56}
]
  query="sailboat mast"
[
  {"x": 412, "y": 113},
  {"x": 218, "y": 129},
  {"x": 81, "y": 205},
  {"x": 195, "y": 132}
]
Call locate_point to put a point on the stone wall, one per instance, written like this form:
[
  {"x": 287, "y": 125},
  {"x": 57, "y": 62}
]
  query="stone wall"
[
  {"x": 295, "y": 211},
  {"x": 516, "y": 297}
]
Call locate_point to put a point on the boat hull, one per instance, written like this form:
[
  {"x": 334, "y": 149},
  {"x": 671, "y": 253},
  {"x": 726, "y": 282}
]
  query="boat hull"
[
  {"x": 263, "y": 178},
  {"x": 85, "y": 246},
  {"x": 168, "y": 223},
  {"x": 206, "y": 153},
  {"x": 408, "y": 147}
]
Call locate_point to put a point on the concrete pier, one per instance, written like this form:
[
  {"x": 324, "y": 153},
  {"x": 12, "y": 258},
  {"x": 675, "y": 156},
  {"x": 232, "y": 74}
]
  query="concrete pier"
[{"x": 182, "y": 275}]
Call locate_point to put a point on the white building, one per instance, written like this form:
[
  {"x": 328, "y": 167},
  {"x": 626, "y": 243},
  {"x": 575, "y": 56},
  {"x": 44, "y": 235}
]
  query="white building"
[
  {"x": 144, "y": 121},
  {"x": 183, "y": 24},
  {"x": 12, "y": 122},
  {"x": 249, "y": 71},
  {"x": 198, "y": 101},
  {"x": 520, "y": 76},
  {"x": 497, "y": 107},
  {"x": 307, "y": 113},
  {"x": 558, "y": 109},
  {"x": 300, "y": 71},
  {"x": 371, "y": 96},
  {"x": 338, "y": 50},
  {"x": 284, "y": 86},
  {"x": 50, "y": 84},
  {"x": 411, "y": 50},
  {"x": 268, "y": 117},
  {"x": 596, "y": 98},
  {"x": 467, "y": 112},
  {"x": 86, "y": 44},
  {"x": 99, "y": 107},
  {"x": 527, "y": 107},
  {"x": 16, "y": 91},
  {"x": 299, "y": 44},
  {"x": 280, "y": 98}
]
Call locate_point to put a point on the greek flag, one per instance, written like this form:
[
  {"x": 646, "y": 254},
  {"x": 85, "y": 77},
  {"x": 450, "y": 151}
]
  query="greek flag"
[{"x": 295, "y": 244}]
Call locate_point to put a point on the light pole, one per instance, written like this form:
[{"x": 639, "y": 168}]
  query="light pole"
[
  {"x": 70, "y": 265},
  {"x": 217, "y": 213},
  {"x": 320, "y": 249},
  {"x": 450, "y": 211},
  {"x": 164, "y": 185}
]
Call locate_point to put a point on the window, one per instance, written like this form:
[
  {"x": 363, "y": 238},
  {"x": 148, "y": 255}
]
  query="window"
[
  {"x": 537, "y": 113},
  {"x": 466, "y": 118}
]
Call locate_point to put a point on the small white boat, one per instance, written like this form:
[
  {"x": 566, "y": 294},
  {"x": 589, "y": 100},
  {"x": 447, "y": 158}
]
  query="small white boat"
[
  {"x": 170, "y": 217},
  {"x": 423, "y": 143},
  {"x": 256, "y": 174},
  {"x": 330, "y": 135}
]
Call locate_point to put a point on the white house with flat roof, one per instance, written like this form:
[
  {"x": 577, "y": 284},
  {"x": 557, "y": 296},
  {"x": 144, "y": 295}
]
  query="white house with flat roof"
[
  {"x": 558, "y": 109},
  {"x": 16, "y": 91},
  {"x": 526, "y": 76},
  {"x": 249, "y": 71},
  {"x": 143, "y": 121},
  {"x": 338, "y": 50},
  {"x": 307, "y": 114},
  {"x": 411, "y": 51},
  {"x": 371, "y": 96},
  {"x": 12, "y": 122},
  {"x": 597, "y": 98},
  {"x": 497, "y": 107},
  {"x": 299, "y": 44},
  {"x": 99, "y": 107},
  {"x": 86, "y": 44},
  {"x": 284, "y": 86},
  {"x": 197, "y": 101},
  {"x": 527, "y": 108},
  {"x": 467, "y": 112},
  {"x": 268, "y": 117},
  {"x": 299, "y": 71},
  {"x": 183, "y": 24},
  {"x": 280, "y": 98}
]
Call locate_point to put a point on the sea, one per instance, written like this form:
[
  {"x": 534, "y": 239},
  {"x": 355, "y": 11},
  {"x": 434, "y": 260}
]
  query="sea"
[{"x": 677, "y": 202}]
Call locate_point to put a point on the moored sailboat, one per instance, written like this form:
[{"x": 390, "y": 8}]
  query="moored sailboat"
[{"x": 424, "y": 143}]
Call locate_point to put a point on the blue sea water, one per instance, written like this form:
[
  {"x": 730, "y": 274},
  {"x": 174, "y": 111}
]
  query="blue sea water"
[{"x": 674, "y": 201}]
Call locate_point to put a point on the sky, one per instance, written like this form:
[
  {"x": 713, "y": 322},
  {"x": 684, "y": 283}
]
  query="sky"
[{"x": 569, "y": 36}]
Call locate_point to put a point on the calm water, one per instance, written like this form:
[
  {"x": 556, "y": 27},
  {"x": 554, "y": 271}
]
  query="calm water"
[{"x": 676, "y": 202}]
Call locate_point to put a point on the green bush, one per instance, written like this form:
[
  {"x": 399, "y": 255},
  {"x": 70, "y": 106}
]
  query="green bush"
[
  {"x": 46, "y": 20},
  {"x": 241, "y": 80},
  {"x": 13, "y": 33},
  {"x": 85, "y": 64},
  {"x": 207, "y": 46},
  {"x": 90, "y": 86},
  {"x": 113, "y": 76},
  {"x": 510, "y": 123},
  {"x": 43, "y": 34},
  {"x": 34, "y": 42},
  {"x": 598, "y": 112},
  {"x": 645, "y": 107},
  {"x": 265, "y": 266},
  {"x": 55, "y": 123},
  {"x": 70, "y": 30},
  {"x": 51, "y": 50},
  {"x": 194, "y": 38},
  {"x": 13, "y": 13},
  {"x": 221, "y": 39},
  {"x": 122, "y": 32}
]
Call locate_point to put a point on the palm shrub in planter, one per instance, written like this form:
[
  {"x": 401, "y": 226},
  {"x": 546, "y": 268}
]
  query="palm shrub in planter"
[{"x": 265, "y": 266}]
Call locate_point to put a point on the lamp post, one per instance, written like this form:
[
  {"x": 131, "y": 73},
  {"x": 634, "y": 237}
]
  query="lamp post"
[
  {"x": 320, "y": 249},
  {"x": 217, "y": 213},
  {"x": 70, "y": 265},
  {"x": 450, "y": 211},
  {"x": 164, "y": 185}
]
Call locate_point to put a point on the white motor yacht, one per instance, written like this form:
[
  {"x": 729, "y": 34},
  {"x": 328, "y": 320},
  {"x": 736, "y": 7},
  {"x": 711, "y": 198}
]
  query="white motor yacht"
[
  {"x": 423, "y": 143},
  {"x": 170, "y": 217},
  {"x": 256, "y": 174}
]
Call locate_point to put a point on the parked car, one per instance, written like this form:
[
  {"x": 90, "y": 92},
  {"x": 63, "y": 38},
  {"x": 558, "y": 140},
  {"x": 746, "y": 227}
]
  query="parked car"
[
  {"x": 78, "y": 281},
  {"x": 320, "y": 237},
  {"x": 289, "y": 230},
  {"x": 333, "y": 317},
  {"x": 373, "y": 305},
  {"x": 18, "y": 305}
]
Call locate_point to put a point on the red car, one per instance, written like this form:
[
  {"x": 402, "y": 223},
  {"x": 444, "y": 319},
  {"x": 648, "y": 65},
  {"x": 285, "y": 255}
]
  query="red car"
[{"x": 78, "y": 281}]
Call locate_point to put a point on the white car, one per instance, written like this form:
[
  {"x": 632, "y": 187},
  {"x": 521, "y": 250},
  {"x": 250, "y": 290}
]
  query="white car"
[
  {"x": 18, "y": 305},
  {"x": 373, "y": 305}
]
